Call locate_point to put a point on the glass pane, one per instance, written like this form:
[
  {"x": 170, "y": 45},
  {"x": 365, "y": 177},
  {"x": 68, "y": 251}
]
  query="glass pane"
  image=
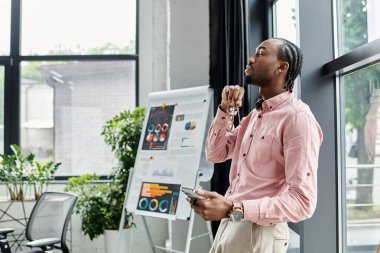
[
  {"x": 1, "y": 109},
  {"x": 361, "y": 184},
  {"x": 358, "y": 23},
  {"x": 64, "y": 106},
  {"x": 51, "y": 27},
  {"x": 285, "y": 20},
  {"x": 5, "y": 26}
]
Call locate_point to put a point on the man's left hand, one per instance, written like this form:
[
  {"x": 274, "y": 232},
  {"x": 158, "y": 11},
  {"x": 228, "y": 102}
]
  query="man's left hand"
[{"x": 213, "y": 208}]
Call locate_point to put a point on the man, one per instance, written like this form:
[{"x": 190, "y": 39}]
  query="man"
[{"x": 274, "y": 152}]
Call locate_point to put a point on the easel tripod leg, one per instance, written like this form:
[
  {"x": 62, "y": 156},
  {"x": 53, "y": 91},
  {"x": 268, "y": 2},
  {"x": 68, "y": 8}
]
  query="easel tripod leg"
[
  {"x": 148, "y": 233},
  {"x": 190, "y": 232}
]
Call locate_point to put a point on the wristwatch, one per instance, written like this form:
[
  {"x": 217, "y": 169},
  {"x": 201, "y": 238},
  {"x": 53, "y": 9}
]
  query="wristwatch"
[{"x": 237, "y": 212}]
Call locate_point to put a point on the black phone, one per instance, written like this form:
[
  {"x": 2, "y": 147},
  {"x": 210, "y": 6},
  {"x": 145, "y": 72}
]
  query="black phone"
[{"x": 191, "y": 193}]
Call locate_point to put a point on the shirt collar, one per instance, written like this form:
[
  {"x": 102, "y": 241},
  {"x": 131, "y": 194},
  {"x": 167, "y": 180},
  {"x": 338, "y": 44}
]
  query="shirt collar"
[{"x": 275, "y": 101}]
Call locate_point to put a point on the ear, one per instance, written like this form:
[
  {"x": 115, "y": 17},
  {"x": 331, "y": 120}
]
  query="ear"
[{"x": 284, "y": 66}]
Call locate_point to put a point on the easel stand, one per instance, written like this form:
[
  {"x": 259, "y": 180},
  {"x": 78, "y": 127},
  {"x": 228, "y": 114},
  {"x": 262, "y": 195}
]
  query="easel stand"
[{"x": 189, "y": 237}]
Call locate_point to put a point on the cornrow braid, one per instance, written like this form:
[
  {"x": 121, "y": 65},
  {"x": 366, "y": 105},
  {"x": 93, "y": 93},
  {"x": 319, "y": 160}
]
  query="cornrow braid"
[{"x": 292, "y": 54}]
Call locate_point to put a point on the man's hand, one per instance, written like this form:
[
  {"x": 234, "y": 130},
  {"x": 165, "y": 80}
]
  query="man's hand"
[
  {"x": 213, "y": 208},
  {"x": 232, "y": 96}
]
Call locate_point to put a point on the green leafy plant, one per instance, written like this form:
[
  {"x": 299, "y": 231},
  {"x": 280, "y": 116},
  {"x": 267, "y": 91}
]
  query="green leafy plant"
[
  {"x": 100, "y": 206},
  {"x": 18, "y": 171},
  {"x": 41, "y": 175},
  {"x": 122, "y": 133}
]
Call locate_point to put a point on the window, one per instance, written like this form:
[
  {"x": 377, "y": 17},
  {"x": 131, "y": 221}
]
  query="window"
[
  {"x": 285, "y": 20},
  {"x": 77, "y": 62},
  {"x": 5, "y": 17},
  {"x": 361, "y": 110},
  {"x": 357, "y": 23},
  {"x": 360, "y": 130},
  {"x": 285, "y": 25},
  {"x": 64, "y": 106},
  {"x": 78, "y": 27}
]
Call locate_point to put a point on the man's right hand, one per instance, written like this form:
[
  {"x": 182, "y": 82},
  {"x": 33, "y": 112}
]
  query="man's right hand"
[{"x": 232, "y": 96}]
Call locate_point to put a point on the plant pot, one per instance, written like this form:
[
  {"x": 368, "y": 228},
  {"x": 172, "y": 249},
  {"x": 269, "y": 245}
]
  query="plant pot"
[{"x": 111, "y": 240}]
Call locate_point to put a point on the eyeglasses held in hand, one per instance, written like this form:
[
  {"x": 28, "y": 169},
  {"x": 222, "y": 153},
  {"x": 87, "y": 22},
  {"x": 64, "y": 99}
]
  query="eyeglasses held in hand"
[{"x": 232, "y": 111}]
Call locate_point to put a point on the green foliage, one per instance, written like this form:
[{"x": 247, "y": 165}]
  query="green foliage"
[
  {"x": 18, "y": 170},
  {"x": 122, "y": 133},
  {"x": 41, "y": 176},
  {"x": 357, "y": 89},
  {"x": 15, "y": 170},
  {"x": 100, "y": 206},
  {"x": 354, "y": 24},
  {"x": 30, "y": 71}
]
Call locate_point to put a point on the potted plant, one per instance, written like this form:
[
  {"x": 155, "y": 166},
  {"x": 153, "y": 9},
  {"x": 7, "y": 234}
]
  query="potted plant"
[
  {"x": 100, "y": 206},
  {"x": 14, "y": 171},
  {"x": 41, "y": 175},
  {"x": 18, "y": 171}
]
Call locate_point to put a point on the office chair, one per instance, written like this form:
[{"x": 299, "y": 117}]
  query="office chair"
[{"x": 47, "y": 224}]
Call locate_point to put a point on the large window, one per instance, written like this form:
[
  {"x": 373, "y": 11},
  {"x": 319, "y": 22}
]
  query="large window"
[
  {"x": 74, "y": 66},
  {"x": 360, "y": 113},
  {"x": 361, "y": 110}
]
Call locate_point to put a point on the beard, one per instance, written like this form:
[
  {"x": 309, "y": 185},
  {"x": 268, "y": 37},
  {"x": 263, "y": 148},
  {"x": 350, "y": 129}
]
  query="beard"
[{"x": 248, "y": 80}]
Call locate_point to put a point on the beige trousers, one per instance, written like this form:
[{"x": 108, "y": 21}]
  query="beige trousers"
[{"x": 247, "y": 237}]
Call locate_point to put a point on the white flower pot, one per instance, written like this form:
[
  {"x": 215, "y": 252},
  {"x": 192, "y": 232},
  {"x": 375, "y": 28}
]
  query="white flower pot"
[{"x": 111, "y": 239}]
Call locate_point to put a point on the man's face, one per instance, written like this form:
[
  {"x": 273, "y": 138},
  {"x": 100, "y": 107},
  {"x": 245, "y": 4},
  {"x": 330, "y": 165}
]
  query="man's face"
[{"x": 261, "y": 66}]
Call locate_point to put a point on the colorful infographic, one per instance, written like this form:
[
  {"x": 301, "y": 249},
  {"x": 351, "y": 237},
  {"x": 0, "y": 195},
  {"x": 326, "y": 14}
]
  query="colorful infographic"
[
  {"x": 159, "y": 197},
  {"x": 158, "y": 128}
]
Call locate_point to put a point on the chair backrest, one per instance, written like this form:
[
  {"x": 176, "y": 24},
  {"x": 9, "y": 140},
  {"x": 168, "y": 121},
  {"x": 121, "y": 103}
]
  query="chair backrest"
[{"x": 51, "y": 216}]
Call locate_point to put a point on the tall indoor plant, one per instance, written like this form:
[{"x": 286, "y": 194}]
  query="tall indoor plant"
[{"x": 100, "y": 205}]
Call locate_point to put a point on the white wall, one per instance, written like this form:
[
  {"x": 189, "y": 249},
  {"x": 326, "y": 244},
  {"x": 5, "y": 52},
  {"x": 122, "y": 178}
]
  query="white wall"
[{"x": 174, "y": 53}]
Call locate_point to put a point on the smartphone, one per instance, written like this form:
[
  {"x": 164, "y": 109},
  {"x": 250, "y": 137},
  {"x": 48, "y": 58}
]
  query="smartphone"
[{"x": 191, "y": 193}]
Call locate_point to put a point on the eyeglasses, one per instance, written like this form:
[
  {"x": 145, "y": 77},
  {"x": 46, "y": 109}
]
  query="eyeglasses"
[{"x": 232, "y": 111}]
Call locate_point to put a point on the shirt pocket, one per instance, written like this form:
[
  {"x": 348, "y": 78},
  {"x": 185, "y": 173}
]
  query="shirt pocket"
[{"x": 262, "y": 149}]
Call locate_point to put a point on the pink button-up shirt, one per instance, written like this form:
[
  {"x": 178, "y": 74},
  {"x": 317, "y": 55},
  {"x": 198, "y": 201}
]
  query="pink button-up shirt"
[{"x": 274, "y": 155}]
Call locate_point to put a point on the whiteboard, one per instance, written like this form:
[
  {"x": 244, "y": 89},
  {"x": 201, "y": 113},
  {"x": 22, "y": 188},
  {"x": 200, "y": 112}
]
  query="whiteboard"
[{"x": 171, "y": 152}]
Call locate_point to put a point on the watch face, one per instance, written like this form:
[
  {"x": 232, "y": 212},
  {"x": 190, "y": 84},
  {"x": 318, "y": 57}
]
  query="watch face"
[{"x": 236, "y": 215}]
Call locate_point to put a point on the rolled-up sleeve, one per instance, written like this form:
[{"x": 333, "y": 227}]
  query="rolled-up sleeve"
[
  {"x": 220, "y": 142},
  {"x": 302, "y": 137}
]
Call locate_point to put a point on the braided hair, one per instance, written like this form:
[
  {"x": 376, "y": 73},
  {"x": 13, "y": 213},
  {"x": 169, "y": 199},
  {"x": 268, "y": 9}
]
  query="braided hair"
[{"x": 292, "y": 54}]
